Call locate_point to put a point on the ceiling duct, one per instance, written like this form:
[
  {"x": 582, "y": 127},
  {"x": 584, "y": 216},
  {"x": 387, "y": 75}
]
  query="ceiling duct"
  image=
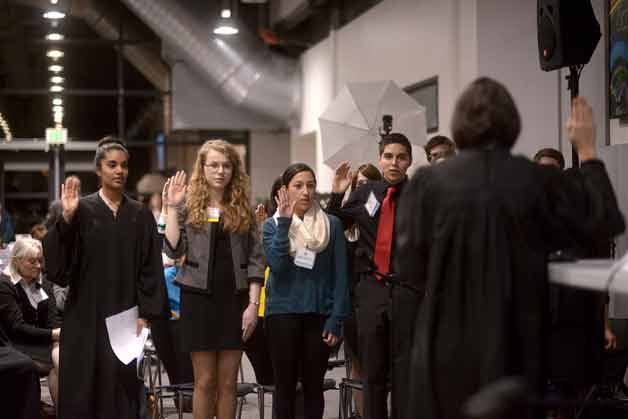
[{"x": 246, "y": 72}]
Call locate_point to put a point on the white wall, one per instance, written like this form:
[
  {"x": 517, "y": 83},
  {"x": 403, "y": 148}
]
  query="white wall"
[
  {"x": 270, "y": 155},
  {"x": 508, "y": 52},
  {"x": 406, "y": 41}
]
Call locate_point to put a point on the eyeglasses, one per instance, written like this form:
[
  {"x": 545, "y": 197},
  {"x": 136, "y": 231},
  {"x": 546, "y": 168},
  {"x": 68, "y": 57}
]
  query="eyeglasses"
[{"x": 214, "y": 167}]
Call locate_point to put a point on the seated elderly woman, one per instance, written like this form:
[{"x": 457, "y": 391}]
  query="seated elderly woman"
[{"x": 28, "y": 311}]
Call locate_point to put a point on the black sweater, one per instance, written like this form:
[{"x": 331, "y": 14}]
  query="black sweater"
[{"x": 21, "y": 322}]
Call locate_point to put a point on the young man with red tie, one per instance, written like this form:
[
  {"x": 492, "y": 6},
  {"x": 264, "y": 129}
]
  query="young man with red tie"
[{"x": 381, "y": 302}]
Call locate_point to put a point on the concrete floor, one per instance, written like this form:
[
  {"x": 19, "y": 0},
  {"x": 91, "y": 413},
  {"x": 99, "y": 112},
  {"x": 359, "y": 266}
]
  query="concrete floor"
[{"x": 250, "y": 408}]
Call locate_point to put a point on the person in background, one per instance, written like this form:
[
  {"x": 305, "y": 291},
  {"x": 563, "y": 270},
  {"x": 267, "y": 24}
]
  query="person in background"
[
  {"x": 167, "y": 334},
  {"x": 365, "y": 173},
  {"x": 550, "y": 157},
  {"x": 579, "y": 326},
  {"x": 28, "y": 312},
  {"x": 7, "y": 231},
  {"x": 384, "y": 334},
  {"x": 211, "y": 224},
  {"x": 475, "y": 233},
  {"x": 106, "y": 247},
  {"x": 307, "y": 295},
  {"x": 38, "y": 232},
  {"x": 257, "y": 346},
  {"x": 439, "y": 148}
]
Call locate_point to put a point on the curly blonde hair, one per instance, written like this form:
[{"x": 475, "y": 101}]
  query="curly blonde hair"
[{"x": 237, "y": 214}]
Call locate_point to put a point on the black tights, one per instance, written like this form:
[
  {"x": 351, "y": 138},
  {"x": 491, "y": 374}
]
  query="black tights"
[{"x": 297, "y": 349}]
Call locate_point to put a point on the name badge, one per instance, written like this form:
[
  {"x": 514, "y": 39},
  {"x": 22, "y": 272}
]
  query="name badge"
[
  {"x": 305, "y": 258},
  {"x": 213, "y": 215},
  {"x": 372, "y": 205}
]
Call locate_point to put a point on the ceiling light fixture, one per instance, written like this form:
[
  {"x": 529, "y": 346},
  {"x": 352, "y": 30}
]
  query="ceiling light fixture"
[
  {"x": 56, "y": 79},
  {"x": 57, "y": 109},
  {"x": 226, "y": 24},
  {"x": 56, "y": 88},
  {"x": 54, "y": 15},
  {"x": 56, "y": 68},
  {"x": 54, "y": 37},
  {"x": 57, "y": 101},
  {"x": 55, "y": 54}
]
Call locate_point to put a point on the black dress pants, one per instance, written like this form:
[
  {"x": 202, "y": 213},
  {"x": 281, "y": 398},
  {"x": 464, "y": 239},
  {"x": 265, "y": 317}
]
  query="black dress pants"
[
  {"x": 297, "y": 349},
  {"x": 385, "y": 326},
  {"x": 256, "y": 349},
  {"x": 19, "y": 385}
]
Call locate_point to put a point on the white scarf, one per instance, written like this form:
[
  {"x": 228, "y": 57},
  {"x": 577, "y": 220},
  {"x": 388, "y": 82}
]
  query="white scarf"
[{"x": 312, "y": 232}]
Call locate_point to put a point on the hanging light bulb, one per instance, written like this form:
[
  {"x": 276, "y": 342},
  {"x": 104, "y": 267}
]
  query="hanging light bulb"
[
  {"x": 56, "y": 88},
  {"x": 56, "y": 68},
  {"x": 56, "y": 79},
  {"x": 57, "y": 101}
]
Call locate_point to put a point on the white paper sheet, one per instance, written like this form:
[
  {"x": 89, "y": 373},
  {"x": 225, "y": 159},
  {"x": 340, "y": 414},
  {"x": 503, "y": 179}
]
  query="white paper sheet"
[{"x": 122, "y": 331}]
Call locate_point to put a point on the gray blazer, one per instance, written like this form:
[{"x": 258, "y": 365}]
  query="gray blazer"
[{"x": 194, "y": 243}]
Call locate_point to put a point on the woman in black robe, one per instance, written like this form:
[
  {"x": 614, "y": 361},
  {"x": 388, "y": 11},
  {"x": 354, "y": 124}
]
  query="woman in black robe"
[
  {"x": 476, "y": 231},
  {"x": 106, "y": 244}
]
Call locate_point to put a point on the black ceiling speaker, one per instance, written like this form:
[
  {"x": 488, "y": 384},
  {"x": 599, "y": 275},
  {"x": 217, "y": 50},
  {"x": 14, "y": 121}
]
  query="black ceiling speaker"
[{"x": 568, "y": 33}]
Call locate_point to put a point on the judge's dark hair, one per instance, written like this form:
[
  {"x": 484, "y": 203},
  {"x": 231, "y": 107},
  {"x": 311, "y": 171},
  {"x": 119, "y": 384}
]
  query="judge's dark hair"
[
  {"x": 293, "y": 170},
  {"x": 435, "y": 142},
  {"x": 107, "y": 144},
  {"x": 485, "y": 116},
  {"x": 395, "y": 138},
  {"x": 552, "y": 153}
]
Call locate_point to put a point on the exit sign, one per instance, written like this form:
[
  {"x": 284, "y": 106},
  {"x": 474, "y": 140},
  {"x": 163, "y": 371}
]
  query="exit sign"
[{"x": 56, "y": 135}]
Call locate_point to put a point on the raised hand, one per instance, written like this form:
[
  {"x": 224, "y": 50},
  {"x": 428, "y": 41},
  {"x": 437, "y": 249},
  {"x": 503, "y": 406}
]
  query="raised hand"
[
  {"x": 164, "y": 195},
  {"x": 581, "y": 128},
  {"x": 70, "y": 194},
  {"x": 342, "y": 178},
  {"x": 176, "y": 189},
  {"x": 285, "y": 208},
  {"x": 260, "y": 214}
]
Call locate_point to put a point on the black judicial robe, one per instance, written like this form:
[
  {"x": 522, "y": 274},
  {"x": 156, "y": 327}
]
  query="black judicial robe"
[
  {"x": 112, "y": 265},
  {"x": 474, "y": 235}
]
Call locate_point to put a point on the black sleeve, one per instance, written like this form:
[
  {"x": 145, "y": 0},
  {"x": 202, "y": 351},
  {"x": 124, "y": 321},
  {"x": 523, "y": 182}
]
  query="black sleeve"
[
  {"x": 13, "y": 321},
  {"x": 54, "y": 316},
  {"x": 348, "y": 212},
  {"x": 151, "y": 290},
  {"x": 580, "y": 207},
  {"x": 61, "y": 251},
  {"x": 414, "y": 231}
]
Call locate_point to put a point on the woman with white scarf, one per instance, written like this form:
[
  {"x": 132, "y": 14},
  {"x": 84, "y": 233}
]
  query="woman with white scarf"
[{"x": 307, "y": 293}]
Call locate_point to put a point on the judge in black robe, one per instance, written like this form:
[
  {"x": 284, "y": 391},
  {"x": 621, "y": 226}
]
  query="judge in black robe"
[
  {"x": 475, "y": 233},
  {"x": 115, "y": 264},
  {"x": 112, "y": 257}
]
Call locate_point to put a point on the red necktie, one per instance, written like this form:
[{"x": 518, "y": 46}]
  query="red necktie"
[{"x": 383, "y": 244}]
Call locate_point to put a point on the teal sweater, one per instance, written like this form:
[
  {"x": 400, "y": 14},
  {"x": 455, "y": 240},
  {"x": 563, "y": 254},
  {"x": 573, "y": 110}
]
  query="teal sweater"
[{"x": 294, "y": 290}]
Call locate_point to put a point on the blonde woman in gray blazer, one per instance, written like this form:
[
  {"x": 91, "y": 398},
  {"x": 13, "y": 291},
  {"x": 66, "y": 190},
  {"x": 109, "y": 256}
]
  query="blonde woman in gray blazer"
[{"x": 211, "y": 225}]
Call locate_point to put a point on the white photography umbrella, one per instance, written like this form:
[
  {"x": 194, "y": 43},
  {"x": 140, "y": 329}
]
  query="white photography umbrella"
[{"x": 351, "y": 125}]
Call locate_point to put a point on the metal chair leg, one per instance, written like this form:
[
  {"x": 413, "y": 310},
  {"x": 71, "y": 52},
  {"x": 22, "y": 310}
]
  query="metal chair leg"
[
  {"x": 180, "y": 393},
  {"x": 260, "y": 401}
]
